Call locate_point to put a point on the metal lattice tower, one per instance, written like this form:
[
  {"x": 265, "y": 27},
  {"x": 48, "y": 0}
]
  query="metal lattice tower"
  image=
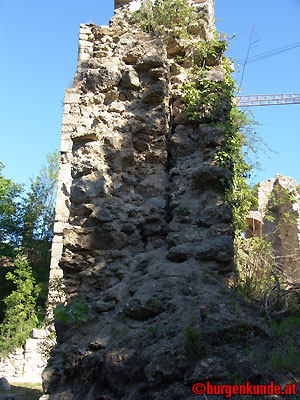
[{"x": 267, "y": 100}]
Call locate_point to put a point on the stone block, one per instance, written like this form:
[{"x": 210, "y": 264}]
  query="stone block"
[
  {"x": 65, "y": 145},
  {"x": 86, "y": 43},
  {"x": 31, "y": 345},
  {"x": 117, "y": 107},
  {"x": 18, "y": 350},
  {"x": 83, "y": 36},
  {"x": 71, "y": 97},
  {"x": 155, "y": 94},
  {"x": 58, "y": 227},
  {"x": 82, "y": 56},
  {"x": 56, "y": 250},
  {"x": 39, "y": 333},
  {"x": 69, "y": 119}
]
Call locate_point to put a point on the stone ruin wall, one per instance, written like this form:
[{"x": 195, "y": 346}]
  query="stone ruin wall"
[
  {"x": 140, "y": 216},
  {"x": 26, "y": 364},
  {"x": 95, "y": 48},
  {"x": 282, "y": 231}
]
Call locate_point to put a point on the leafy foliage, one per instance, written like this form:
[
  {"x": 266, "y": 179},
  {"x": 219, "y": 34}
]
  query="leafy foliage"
[
  {"x": 20, "y": 316},
  {"x": 10, "y": 219},
  {"x": 239, "y": 194},
  {"x": 26, "y": 225},
  {"x": 39, "y": 204},
  {"x": 205, "y": 100},
  {"x": 210, "y": 101},
  {"x": 255, "y": 262},
  {"x": 38, "y": 220},
  {"x": 165, "y": 17},
  {"x": 76, "y": 311}
]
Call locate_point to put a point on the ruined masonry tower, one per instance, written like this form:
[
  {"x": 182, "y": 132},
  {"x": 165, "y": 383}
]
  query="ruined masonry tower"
[
  {"x": 140, "y": 216},
  {"x": 78, "y": 125}
]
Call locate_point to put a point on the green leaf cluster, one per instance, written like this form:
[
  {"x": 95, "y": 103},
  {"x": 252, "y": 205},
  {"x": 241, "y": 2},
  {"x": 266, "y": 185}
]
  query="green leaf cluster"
[
  {"x": 20, "y": 314},
  {"x": 10, "y": 218},
  {"x": 239, "y": 193},
  {"x": 209, "y": 52},
  {"x": 210, "y": 101},
  {"x": 26, "y": 227},
  {"x": 206, "y": 100},
  {"x": 76, "y": 311},
  {"x": 165, "y": 17}
]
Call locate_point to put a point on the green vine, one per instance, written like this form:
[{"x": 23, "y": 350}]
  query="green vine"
[
  {"x": 232, "y": 156},
  {"x": 211, "y": 101}
]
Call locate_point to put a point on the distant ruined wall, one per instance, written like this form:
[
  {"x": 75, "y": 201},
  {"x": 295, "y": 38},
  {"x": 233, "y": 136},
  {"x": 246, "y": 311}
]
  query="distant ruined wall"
[
  {"x": 26, "y": 364},
  {"x": 278, "y": 220},
  {"x": 140, "y": 214}
]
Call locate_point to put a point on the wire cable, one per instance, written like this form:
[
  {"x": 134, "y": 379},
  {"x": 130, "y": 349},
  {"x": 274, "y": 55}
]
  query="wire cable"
[{"x": 267, "y": 54}]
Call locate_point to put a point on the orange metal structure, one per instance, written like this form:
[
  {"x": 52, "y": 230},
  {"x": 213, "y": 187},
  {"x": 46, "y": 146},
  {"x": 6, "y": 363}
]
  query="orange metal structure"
[{"x": 267, "y": 99}]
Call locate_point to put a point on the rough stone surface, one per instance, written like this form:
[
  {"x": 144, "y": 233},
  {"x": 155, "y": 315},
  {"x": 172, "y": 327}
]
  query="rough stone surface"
[
  {"x": 4, "y": 384},
  {"x": 144, "y": 234}
]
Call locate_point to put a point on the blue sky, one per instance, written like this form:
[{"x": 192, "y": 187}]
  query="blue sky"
[{"x": 39, "y": 40}]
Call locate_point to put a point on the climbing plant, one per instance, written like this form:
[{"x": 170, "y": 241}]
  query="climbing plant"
[{"x": 211, "y": 101}]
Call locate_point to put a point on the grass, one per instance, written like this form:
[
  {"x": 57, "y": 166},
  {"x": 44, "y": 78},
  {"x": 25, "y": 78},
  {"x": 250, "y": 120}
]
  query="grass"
[{"x": 32, "y": 391}]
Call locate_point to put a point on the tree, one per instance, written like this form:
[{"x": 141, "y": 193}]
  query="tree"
[
  {"x": 40, "y": 202},
  {"x": 26, "y": 225},
  {"x": 38, "y": 221},
  {"x": 10, "y": 216},
  {"x": 20, "y": 316},
  {"x": 10, "y": 230}
]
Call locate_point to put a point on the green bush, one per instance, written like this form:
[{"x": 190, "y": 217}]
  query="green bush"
[
  {"x": 165, "y": 17},
  {"x": 20, "y": 316},
  {"x": 255, "y": 261},
  {"x": 75, "y": 312}
]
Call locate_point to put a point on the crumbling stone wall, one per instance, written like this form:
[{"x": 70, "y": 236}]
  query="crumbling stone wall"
[
  {"x": 140, "y": 220},
  {"x": 278, "y": 220},
  {"x": 26, "y": 364}
]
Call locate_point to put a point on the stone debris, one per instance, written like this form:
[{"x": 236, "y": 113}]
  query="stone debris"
[{"x": 27, "y": 363}]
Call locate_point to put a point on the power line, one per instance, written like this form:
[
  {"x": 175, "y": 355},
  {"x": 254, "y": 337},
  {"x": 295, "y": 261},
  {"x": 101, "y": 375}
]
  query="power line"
[{"x": 271, "y": 53}]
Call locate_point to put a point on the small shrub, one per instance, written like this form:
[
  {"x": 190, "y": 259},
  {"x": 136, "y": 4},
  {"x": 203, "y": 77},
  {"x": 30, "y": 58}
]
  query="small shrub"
[
  {"x": 76, "y": 311},
  {"x": 20, "y": 317},
  {"x": 165, "y": 17},
  {"x": 285, "y": 327},
  {"x": 254, "y": 259},
  {"x": 193, "y": 342},
  {"x": 285, "y": 359}
]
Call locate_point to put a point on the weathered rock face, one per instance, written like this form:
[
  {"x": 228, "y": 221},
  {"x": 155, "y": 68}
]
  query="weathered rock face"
[
  {"x": 278, "y": 219},
  {"x": 142, "y": 224}
]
